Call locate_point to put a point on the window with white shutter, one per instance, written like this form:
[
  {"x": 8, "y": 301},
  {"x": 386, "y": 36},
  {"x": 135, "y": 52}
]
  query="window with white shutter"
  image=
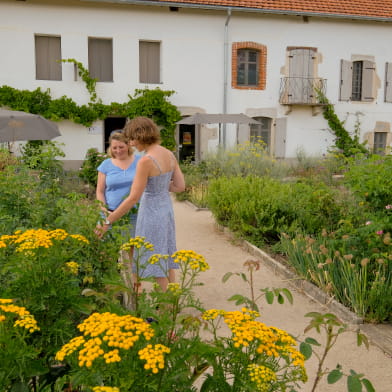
[{"x": 357, "y": 80}]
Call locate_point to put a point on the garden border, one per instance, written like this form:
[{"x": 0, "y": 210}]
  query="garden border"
[{"x": 379, "y": 335}]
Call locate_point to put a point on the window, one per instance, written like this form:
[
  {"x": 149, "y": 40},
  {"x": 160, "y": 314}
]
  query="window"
[
  {"x": 380, "y": 143},
  {"x": 48, "y": 58},
  {"x": 149, "y": 62},
  {"x": 356, "y": 91},
  {"x": 100, "y": 59},
  {"x": 357, "y": 80},
  {"x": 249, "y": 65},
  {"x": 261, "y": 131}
]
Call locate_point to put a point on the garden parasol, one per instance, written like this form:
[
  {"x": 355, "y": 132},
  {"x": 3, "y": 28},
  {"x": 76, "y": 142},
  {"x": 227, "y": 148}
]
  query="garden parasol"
[{"x": 16, "y": 125}]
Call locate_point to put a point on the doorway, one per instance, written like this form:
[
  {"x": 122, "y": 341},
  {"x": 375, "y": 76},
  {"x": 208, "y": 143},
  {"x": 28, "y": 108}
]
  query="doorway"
[
  {"x": 186, "y": 142},
  {"x": 111, "y": 124}
]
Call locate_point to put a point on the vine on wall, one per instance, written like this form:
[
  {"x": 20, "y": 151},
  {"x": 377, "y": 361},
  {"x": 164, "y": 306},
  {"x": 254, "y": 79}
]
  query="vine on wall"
[
  {"x": 145, "y": 102},
  {"x": 346, "y": 143}
]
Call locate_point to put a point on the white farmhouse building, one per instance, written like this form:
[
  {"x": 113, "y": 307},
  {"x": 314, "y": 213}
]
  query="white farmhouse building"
[{"x": 262, "y": 58}]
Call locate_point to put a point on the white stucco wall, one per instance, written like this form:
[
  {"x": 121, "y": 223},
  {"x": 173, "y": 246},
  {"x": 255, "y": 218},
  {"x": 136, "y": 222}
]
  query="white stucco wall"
[{"x": 192, "y": 61}]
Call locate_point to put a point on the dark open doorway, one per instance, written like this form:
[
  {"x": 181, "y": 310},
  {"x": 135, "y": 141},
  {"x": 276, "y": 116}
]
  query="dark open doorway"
[
  {"x": 187, "y": 142},
  {"x": 111, "y": 124}
]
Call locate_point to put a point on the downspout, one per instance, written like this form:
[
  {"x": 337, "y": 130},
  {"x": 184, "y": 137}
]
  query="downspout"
[{"x": 225, "y": 73}]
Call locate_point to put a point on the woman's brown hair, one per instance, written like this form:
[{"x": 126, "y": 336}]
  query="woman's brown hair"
[
  {"x": 119, "y": 136},
  {"x": 142, "y": 129}
]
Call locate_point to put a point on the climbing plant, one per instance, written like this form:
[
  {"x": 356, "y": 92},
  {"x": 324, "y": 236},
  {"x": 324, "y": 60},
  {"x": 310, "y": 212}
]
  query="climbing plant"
[
  {"x": 152, "y": 103},
  {"x": 346, "y": 143},
  {"x": 87, "y": 79}
]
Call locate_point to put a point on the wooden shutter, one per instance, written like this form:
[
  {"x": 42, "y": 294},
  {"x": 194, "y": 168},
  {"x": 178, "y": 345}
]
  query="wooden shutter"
[
  {"x": 100, "y": 59},
  {"x": 368, "y": 78},
  {"x": 48, "y": 58},
  {"x": 149, "y": 62},
  {"x": 243, "y": 132},
  {"x": 280, "y": 137},
  {"x": 346, "y": 76},
  {"x": 388, "y": 82},
  {"x": 301, "y": 73}
]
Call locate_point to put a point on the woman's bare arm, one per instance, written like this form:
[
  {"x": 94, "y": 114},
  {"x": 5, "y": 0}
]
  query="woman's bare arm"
[
  {"x": 178, "y": 181},
  {"x": 100, "y": 190},
  {"x": 137, "y": 189}
]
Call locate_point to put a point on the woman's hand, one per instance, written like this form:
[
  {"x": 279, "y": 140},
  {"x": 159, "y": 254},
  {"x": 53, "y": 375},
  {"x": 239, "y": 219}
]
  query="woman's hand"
[{"x": 100, "y": 230}]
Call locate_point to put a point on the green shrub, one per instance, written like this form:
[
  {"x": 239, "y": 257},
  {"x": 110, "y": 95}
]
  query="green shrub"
[
  {"x": 246, "y": 159},
  {"x": 370, "y": 178},
  {"x": 41, "y": 155},
  {"x": 88, "y": 171},
  {"x": 255, "y": 207}
]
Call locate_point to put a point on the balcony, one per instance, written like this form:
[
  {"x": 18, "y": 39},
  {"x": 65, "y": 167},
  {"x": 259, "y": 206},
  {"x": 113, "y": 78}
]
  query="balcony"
[{"x": 301, "y": 91}]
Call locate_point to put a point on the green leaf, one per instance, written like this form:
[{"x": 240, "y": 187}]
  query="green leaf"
[
  {"x": 354, "y": 384},
  {"x": 226, "y": 276},
  {"x": 315, "y": 315},
  {"x": 239, "y": 299},
  {"x": 306, "y": 350},
  {"x": 288, "y": 295},
  {"x": 334, "y": 376},
  {"x": 243, "y": 276},
  {"x": 312, "y": 341},
  {"x": 280, "y": 299},
  {"x": 362, "y": 339},
  {"x": 368, "y": 385},
  {"x": 269, "y": 296},
  {"x": 20, "y": 387}
]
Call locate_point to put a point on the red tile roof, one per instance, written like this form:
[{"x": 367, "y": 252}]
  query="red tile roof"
[{"x": 377, "y": 9}]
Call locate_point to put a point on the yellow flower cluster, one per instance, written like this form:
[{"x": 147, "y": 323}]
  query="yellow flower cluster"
[
  {"x": 79, "y": 237},
  {"x": 138, "y": 243},
  {"x": 270, "y": 341},
  {"x": 73, "y": 267},
  {"x": 261, "y": 376},
  {"x": 37, "y": 238},
  {"x": 212, "y": 314},
  {"x": 104, "y": 334},
  {"x": 174, "y": 288},
  {"x": 70, "y": 347},
  {"x": 105, "y": 389},
  {"x": 155, "y": 258},
  {"x": 153, "y": 355},
  {"x": 193, "y": 259},
  {"x": 26, "y": 320}
]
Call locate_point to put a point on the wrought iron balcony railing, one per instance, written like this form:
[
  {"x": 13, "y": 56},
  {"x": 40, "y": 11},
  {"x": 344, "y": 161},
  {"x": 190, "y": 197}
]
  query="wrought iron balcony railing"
[{"x": 301, "y": 91}]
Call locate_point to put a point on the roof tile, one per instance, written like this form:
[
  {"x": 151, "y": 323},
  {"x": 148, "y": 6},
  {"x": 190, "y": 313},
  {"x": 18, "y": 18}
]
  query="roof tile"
[{"x": 357, "y": 8}]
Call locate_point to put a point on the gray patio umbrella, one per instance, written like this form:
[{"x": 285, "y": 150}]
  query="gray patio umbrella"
[
  {"x": 206, "y": 118},
  {"x": 16, "y": 126}
]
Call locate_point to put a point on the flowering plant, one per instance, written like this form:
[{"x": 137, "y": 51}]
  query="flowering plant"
[
  {"x": 17, "y": 357},
  {"x": 164, "y": 349},
  {"x": 46, "y": 270},
  {"x": 255, "y": 356}
]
